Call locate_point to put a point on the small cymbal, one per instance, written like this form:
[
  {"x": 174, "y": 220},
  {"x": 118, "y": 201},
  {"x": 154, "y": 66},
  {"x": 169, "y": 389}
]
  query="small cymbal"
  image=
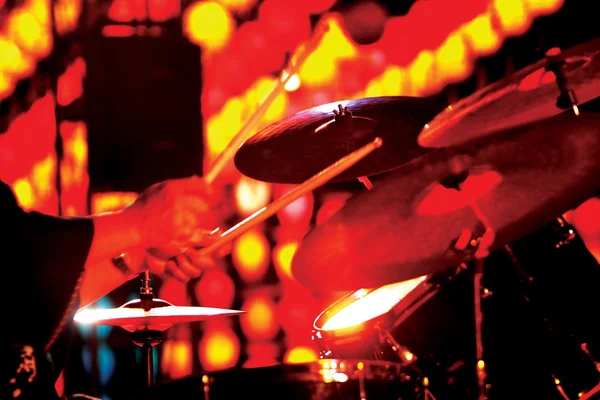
[
  {"x": 527, "y": 96},
  {"x": 132, "y": 317},
  {"x": 409, "y": 224},
  {"x": 296, "y": 148}
]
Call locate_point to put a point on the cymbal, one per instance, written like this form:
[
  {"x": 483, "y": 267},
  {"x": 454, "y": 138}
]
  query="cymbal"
[
  {"x": 296, "y": 148},
  {"x": 409, "y": 224},
  {"x": 527, "y": 96},
  {"x": 132, "y": 317}
]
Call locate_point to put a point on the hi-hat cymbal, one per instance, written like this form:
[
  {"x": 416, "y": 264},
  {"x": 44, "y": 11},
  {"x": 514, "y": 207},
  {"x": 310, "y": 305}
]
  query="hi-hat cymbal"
[
  {"x": 132, "y": 317},
  {"x": 527, "y": 96},
  {"x": 408, "y": 224},
  {"x": 296, "y": 148}
]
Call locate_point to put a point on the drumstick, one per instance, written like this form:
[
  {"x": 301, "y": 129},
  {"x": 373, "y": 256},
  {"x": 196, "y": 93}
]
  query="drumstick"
[
  {"x": 312, "y": 183},
  {"x": 295, "y": 62}
]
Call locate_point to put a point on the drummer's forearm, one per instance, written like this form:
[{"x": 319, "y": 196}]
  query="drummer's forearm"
[{"x": 99, "y": 279}]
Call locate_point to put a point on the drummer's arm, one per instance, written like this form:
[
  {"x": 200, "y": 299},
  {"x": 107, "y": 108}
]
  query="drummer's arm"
[{"x": 101, "y": 278}]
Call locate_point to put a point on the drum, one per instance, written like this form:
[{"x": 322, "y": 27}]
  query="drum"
[
  {"x": 320, "y": 380},
  {"x": 422, "y": 323},
  {"x": 539, "y": 333}
]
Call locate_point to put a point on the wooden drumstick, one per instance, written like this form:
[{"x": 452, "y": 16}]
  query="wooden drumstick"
[
  {"x": 312, "y": 183},
  {"x": 295, "y": 62}
]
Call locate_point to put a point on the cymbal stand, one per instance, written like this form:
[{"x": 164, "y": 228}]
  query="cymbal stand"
[
  {"x": 147, "y": 339},
  {"x": 477, "y": 248}
]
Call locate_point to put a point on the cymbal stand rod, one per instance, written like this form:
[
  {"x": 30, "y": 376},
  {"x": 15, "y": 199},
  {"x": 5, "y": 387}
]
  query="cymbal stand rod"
[
  {"x": 481, "y": 252},
  {"x": 149, "y": 363},
  {"x": 481, "y": 374}
]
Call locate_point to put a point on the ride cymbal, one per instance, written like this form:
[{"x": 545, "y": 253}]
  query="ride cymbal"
[
  {"x": 529, "y": 95},
  {"x": 294, "y": 149},
  {"x": 409, "y": 224}
]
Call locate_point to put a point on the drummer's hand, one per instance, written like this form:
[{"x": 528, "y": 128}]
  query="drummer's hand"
[
  {"x": 174, "y": 215},
  {"x": 190, "y": 264}
]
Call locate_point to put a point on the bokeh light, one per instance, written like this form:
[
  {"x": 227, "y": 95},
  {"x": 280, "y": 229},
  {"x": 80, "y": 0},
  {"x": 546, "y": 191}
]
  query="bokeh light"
[
  {"x": 208, "y": 24},
  {"x": 215, "y": 289},
  {"x": 259, "y": 322},
  {"x": 218, "y": 349},
  {"x": 251, "y": 255}
]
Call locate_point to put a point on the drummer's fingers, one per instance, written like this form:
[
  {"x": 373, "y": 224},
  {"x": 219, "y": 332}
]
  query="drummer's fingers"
[
  {"x": 174, "y": 270},
  {"x": 189, "y": 269},
  {"x": 155, "y": 265}
]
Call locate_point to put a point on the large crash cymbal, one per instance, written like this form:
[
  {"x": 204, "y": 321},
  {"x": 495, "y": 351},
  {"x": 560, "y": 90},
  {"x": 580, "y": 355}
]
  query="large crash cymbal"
[
  {"x": 408, "y": 224},
  {"x": 296, "y": 148},
  {"x": 527, "y": 96},
  {"x": 132, "y": 317}
]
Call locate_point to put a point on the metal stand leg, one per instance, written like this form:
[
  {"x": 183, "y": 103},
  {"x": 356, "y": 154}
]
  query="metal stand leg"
[{"x": 480, "y": 368}]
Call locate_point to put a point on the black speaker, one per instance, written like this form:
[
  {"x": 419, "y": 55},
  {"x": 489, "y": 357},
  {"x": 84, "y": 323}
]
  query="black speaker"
[{"x": 142, "y": 108}]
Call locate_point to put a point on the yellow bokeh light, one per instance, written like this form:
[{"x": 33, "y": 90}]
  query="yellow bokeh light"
[
  {"x": 43, "y": 175},
  {"x": 13, "y": 61},
  {"x": 259, "y": 321},
  {"x": 421, "y": 74},
  {"x": 481, "y": 36},
  {"x": 283, "y": 254},
  {"x": 250, "y": 255},
  {"x": 7, "y": 85},
  {"x": 219, "y": 349},
  {"x": 300, "y": 354},
  {"x": 40, "y": 9},
  {"x": 208, "y": 24},
  {"x": 321, "y": 65},
  {"x": 251, "y": 195},
  {"x": 29, "y": 35},
  {"x": 393, "y": 81},
  {"x": 24, "y": 193},
  {"x": 512, "y": 16},
  {"x": 112, "y": 201},
  {"x": 452, "y": 60},
  {"x": 540, "y": 7}
]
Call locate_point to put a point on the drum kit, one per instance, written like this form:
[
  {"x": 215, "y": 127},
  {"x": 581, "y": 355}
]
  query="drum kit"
[{"x": 463, "y": 278}]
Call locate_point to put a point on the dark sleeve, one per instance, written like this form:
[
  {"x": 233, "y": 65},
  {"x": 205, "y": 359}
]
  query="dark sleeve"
[{"x": 43, "y": 259}]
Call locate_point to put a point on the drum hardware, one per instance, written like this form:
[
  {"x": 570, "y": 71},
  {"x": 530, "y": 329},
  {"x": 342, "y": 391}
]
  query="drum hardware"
[
  {"x": 566, "y": 235},
  {"x": 567, "y": 98},
  {"x": 146, "y": 319},
  {"x": 476, "y": 248}
]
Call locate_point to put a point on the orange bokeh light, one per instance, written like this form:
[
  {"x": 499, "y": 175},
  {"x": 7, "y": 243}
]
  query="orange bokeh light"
[
  {"x": 300, "y": 354},
  {"x": 283, "y": 254},
  {"x": 176, "y": 358},
  {"x": 251, "y": 255},
  {"x": 219, "y": 349},
  {"x": 259, "y": 322}
]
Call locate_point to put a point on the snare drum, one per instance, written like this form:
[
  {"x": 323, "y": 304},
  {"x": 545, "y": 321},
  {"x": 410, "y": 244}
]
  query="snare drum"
[
  {"x": 422, "y": 322},
  {"x": 319, "y": 380}
]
